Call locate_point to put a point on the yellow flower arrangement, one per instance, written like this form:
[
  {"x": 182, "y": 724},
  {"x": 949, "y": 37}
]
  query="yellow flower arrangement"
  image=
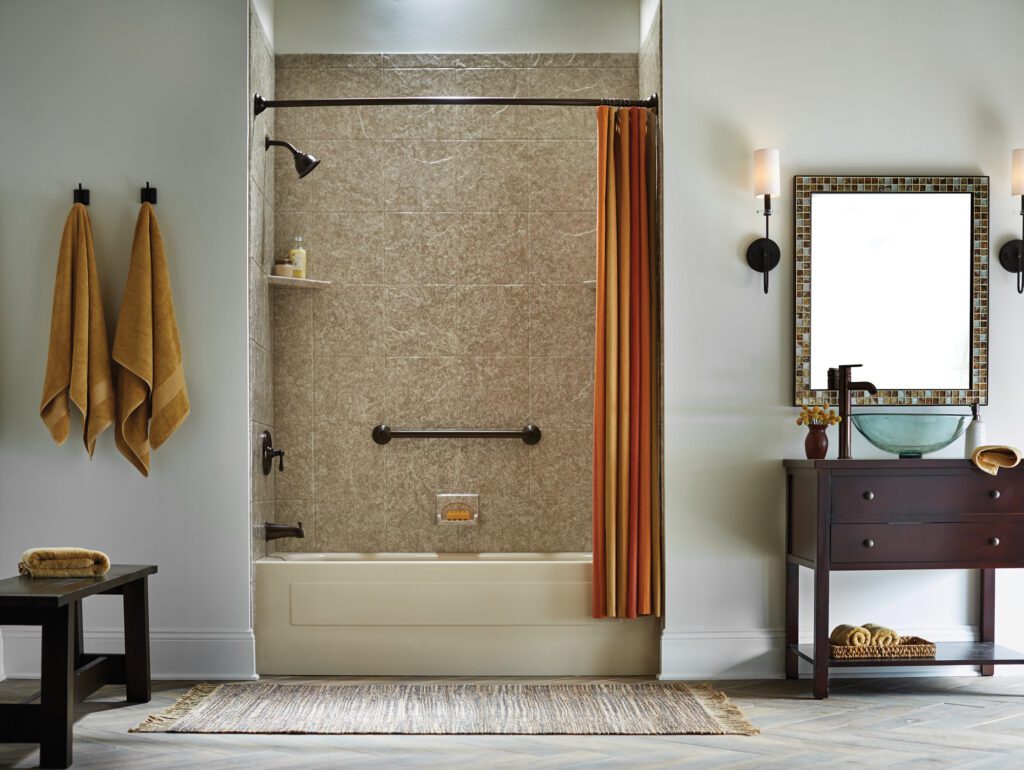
[{"x": 818, "y": 415}]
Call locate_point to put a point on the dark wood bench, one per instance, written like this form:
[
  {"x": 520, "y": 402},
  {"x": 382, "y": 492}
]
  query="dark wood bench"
[{"x": 69, "y": 674}]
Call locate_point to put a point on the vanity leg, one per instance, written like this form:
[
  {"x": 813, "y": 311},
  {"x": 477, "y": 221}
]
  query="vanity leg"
[
  {"x": 820, "y": 632},
  {"x": 987, "y": 606},
  {"x": 792, "y": 619}
]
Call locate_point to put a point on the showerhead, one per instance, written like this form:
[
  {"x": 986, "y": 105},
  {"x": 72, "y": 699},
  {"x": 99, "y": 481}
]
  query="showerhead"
[{"x": 304, "y": 162}]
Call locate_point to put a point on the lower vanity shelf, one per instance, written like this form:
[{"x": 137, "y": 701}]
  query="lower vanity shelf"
[{"x": 947, "y": 654}]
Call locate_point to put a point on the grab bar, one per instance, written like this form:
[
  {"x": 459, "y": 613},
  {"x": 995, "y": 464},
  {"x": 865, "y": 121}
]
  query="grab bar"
[{"x": 382, "y": 434}]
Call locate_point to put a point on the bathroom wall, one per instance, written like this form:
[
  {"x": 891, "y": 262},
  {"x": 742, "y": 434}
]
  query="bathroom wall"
[
  {"x": 112, "y": 94},
  {"x": 427, "y": 26},
  {"x": 865, "y": 86},
  {"x": 460, "y": 241},
  {"x": 260, "y": 262}
]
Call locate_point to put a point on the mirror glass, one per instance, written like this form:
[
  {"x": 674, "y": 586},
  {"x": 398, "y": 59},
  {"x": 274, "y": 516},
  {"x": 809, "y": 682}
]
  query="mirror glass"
[{"x": 889, "y": 275}]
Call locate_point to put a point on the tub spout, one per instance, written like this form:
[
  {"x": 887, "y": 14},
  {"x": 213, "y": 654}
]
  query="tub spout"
[{"x": 277, "y": 531}]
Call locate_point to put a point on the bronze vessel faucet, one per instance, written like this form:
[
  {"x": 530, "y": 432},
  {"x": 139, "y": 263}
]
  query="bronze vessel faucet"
[{"x": 839, "y": 380}]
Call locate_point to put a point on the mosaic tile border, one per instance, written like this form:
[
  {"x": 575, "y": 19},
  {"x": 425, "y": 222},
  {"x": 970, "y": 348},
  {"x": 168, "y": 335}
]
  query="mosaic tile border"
[{"x": 803, "y": 187}]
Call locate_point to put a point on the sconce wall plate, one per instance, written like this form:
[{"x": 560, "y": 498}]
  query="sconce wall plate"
[
  {"x": 1011, "y": 257},
  {"x": 764, "y": 250}
]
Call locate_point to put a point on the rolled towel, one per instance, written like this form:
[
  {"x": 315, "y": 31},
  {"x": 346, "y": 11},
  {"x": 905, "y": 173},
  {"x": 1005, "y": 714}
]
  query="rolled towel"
[
  {"x": 992, "y": 457},
  {"x": 850, "y": 636},
  {"x": 882, "y": 636},
  {"x": 63, "y": 563}
]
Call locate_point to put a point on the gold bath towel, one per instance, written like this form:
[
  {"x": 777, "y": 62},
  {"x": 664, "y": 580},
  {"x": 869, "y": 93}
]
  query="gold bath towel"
[
  {"x": 992, "y": 457},
  {"x": 63, "y": 563},
  {"x": 151, "y": 393},
  {"x": 850, "y": 636},
  {"x": 881, "y": 636},
  {"x": 78, "y": 363}
]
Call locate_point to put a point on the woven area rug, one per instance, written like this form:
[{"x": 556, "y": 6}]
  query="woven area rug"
[{"x": 642, "y": 708}]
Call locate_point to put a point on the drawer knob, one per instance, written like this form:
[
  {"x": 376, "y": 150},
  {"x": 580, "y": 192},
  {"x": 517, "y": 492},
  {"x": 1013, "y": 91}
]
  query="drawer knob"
[
  {"x": 869, "y": 495},
  {"x": 869, "y": 543},
  {"x": 993, "y": 541},
  {"x": 994, "y": 494}
]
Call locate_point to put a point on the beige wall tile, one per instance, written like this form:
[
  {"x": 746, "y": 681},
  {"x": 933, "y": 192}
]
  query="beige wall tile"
[
  {"x": 293, "y": 384},
  {"x": 256, "y": 212},
  {"x": 259, "y": 307},
  {"x": 561, "y": 524},
  {"x": 337, "y": 60},
  {"x": 493, "y": 247},
  {"x": 626, "y": 59},
  {"x": 493, "y": 176},
  {"x": 422, "y": 248},
  {"x": 295, "y": 482},
  {"x": 420, "y": 175},
  {"x": 423, "y": 392},
  {"x": 349, "y": 321},
  {"x": 494, "y": 320},
  {"x": 260, "y": 512},
  {"x": 559, "y": 122},
  {"x": 261, "y": 397},
  {"x": 293, "y": 315},
  {"x": 349, "y": 466},
  {"x": 562, "y": 175},
  {"x": 340, "y": 247},
  {"x": 493, "y": 392},
  {"x": 492, "y": 121},
  {"x": 349, "y": 393},
  {"x": 493, "y": 468},
  {"x": 292, "y": 124},
  {"x": 291, "y": 60},
  {"x": 560, "y": 466},
  {"x": 412, "y": 525},
  {"x": 562, "y": 391},
  {"x": 563, "y": 246},
  {"x": 561, "y": 320},
  {"x": 334, "y": 185},
  {"x": 420, "y": 121},
  {"x": 423, "y": 466},
  {"x": 583, "y": 82},
  {"x": 421, "y": 320},
  {"x": 352, "y": 525},
  {"x": 503, "y": 526},
  {"x": 328, "y": 82}
]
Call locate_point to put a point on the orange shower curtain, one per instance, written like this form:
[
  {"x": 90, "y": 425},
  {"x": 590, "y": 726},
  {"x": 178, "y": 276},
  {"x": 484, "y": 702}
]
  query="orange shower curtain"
[{"x": 627, "y": 477}]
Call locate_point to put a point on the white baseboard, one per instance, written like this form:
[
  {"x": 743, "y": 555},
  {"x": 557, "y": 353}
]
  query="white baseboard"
[
  {"x": 758, "y": 653},
  {"x": 217, "y": 654}
]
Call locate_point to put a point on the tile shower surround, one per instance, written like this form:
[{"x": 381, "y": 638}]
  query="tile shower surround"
[{"x": 459, "y": 240}]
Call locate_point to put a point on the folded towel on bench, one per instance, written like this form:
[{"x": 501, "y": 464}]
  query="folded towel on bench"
[
  {"x": 63, "y": 563},
  {"x": 881, "y": 635},
  {"x": 992, "y": 457},
  {"x": 850, "y": 636}
]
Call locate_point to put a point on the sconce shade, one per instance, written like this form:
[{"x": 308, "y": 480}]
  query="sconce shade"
[
  {"x": 766, "y": 173},
  {"x": 1018, "y": 172}
]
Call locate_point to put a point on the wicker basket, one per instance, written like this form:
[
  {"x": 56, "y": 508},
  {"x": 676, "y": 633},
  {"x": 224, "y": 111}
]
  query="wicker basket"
[{"x": 909, "y": 647}]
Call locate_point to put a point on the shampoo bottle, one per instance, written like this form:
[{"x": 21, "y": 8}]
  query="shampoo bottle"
[
  {"x": 975, "y": 436},
  {"x": 298, "y": 258}
]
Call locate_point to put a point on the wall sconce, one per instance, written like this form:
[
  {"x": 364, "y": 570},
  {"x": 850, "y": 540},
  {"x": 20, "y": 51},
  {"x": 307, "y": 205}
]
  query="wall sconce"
[
  {"x": 763, "y": 254},
  {"x": 1011, "y": 255}
]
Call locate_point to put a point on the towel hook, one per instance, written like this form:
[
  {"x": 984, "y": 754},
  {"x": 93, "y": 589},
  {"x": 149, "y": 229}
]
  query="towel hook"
[
  {"x": 148, "y": 194},
  {"x": 80, "y": 195}
]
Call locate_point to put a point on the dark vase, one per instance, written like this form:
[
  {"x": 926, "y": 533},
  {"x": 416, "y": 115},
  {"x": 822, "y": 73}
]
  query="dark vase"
[{"x": 816, "y": 443}]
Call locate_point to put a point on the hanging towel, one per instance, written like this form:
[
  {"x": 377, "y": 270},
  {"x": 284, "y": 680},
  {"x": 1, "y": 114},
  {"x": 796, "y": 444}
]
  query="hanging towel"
[
  {"x": 152, "y": 399},
  {"x": 63, "y": 563},
  {"x": 78, "y": 364},
  {"x": 991, "y": 458}
]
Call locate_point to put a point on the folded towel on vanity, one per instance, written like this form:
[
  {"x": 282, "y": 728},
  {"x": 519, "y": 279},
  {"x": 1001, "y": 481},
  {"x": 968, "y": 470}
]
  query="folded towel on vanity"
[
  {"x": 850, "y": 636},
  {"x": 992, "y": 457},
  {"x": 63, "y": 563},
  {"x": 151, "y": 393},
  {"x": 881, "y": 636},
  {"x": 78, "y": 362}
]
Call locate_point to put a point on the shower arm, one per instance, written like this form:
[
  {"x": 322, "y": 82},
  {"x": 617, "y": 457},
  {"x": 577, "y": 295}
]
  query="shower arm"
[{"x": 260, "y": 104}]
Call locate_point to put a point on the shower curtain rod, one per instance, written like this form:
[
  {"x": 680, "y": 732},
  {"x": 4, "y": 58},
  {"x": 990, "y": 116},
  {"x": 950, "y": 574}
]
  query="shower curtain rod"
[{"x": 260, "y": 104}]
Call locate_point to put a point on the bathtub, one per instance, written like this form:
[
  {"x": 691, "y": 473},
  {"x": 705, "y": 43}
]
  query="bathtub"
[{"x": 426, "y": 614}]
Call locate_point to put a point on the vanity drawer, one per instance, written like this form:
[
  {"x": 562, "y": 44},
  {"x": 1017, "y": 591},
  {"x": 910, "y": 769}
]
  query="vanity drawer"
[
  {"x": 888, "y": 497},
  {"x": 962, "y": 543}
]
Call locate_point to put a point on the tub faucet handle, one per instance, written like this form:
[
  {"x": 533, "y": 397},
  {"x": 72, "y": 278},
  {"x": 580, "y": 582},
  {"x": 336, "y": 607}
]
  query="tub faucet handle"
[{"x": 269, "y": 453}]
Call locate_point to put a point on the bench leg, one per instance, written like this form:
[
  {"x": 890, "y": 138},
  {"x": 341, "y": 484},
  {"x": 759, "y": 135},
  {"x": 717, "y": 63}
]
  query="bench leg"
[
  {"x": 58, "y": 687},
  {"x": 136, "y": 641}
]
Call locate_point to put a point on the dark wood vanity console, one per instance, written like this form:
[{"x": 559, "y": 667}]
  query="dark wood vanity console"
[{"x": 899, "y": 514}]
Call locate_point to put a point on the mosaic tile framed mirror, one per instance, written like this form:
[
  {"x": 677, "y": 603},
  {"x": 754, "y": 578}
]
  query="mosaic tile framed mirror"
[{"x": 892, "y": 272}]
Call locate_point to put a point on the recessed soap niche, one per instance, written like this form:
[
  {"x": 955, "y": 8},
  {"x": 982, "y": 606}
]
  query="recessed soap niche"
[{"x": 461, "y": 509}]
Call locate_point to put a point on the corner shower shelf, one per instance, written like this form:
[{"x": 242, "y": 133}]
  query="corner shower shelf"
[{"x": 296, "y": 283}]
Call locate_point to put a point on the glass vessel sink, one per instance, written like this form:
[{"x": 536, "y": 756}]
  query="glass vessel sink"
[{"x": 910, "y": 435}]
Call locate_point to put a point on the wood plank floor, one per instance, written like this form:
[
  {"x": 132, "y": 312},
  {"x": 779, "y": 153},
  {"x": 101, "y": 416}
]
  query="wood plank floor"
[{"x": 867, "y": 723}]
